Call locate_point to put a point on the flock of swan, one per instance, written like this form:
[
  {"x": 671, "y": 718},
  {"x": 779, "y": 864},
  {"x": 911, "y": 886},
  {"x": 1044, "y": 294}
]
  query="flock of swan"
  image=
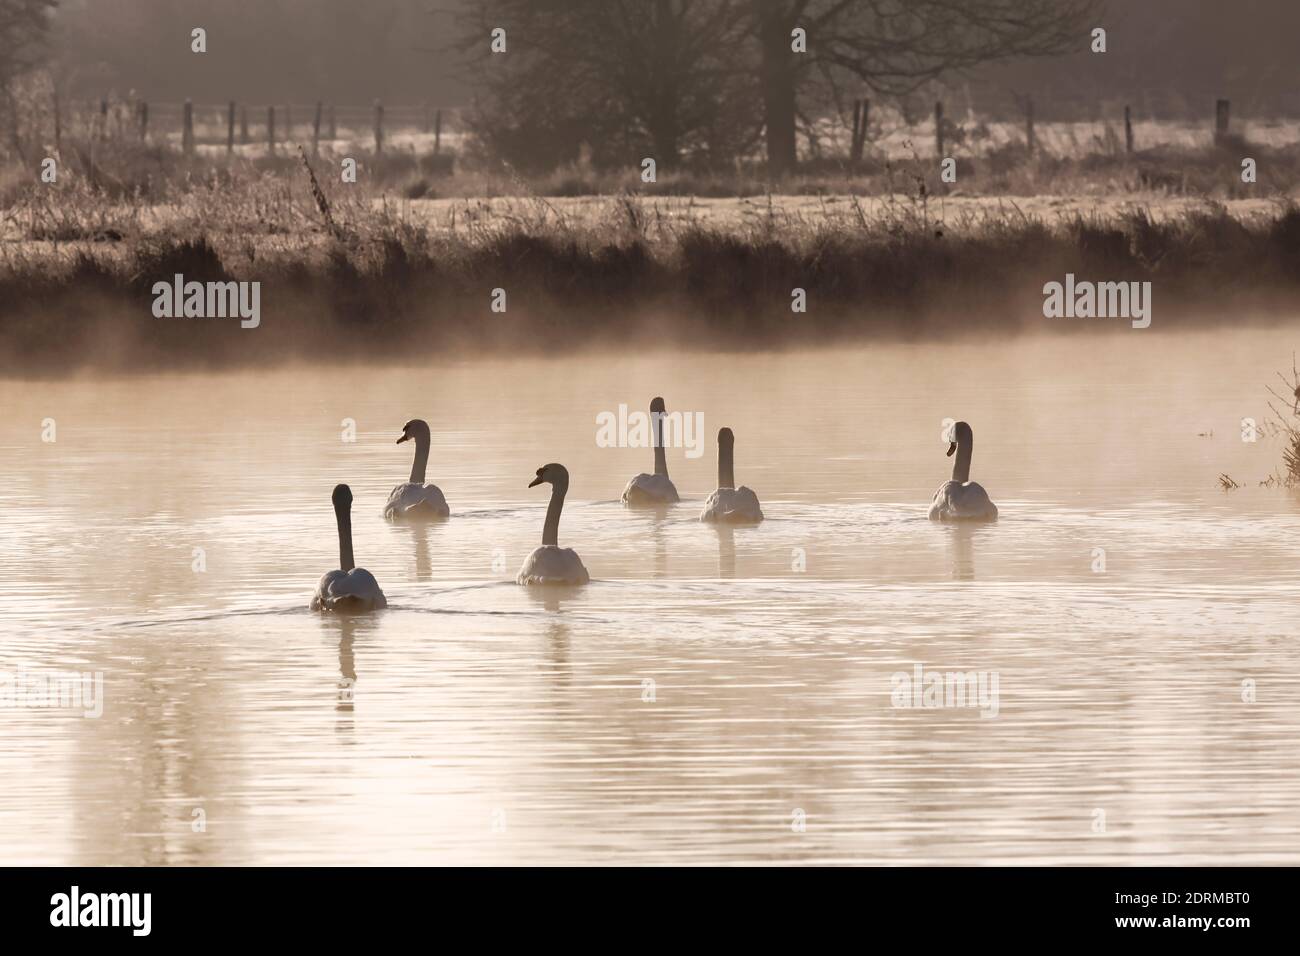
[{"x": 350, "y": 589}]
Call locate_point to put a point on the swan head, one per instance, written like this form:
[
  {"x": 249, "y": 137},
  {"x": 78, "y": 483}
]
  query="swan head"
[
  {"x": 552, "y": 473},
  {"x": 416, "y": 428},
  {"x": 342, "y": 497},
  {"x": 657, "y": 405},
  {"x": 961, "y": 434}
]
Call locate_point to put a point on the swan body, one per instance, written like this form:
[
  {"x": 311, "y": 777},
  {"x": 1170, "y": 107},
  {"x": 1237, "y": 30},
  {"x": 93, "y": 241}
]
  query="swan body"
[
  {"x": 959, "y": 498},
  {"x": 729, "y": 504},
  {"x": 409, "y": 500},
  {"x": 955, "y": 501},
  {"x": 551, "y": 564},
  {"x": 732, "y": 505},
  {"x": 355, "y": 591},
  {"x": 416, "y": 499},
  {"x": 348, "y": 590},
  {"x": 650, "y": 490},
  {"x": 657, "y": 489}
]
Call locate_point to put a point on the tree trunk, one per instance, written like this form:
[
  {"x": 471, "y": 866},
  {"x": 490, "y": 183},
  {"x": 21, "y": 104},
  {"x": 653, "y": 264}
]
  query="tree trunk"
[
  {"x": 665, "y": 144},
  {"x": 777, "y": 81},
  {"x": 664, "y": 103}
]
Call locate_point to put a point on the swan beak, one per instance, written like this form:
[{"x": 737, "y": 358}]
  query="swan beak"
[
  {"x": 952, "y": 447},
  {"x": 535, "y": 482},
  {"x": 404, "y": 437}
]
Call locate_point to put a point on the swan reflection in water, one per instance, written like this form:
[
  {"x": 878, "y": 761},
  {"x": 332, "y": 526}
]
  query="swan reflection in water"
[
  {"x": 963, "y": 551},
  {"x": 726, "y": 551},
  {"x": 421, "y": 536},
  {"x": 345, "y": 630}
]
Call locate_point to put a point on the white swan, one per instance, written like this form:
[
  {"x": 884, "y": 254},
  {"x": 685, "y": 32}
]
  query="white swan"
[
  {"x": 551, "y": 564},
  {"x": 349, "y": 589},
  {"x": 657, "y": 489},
  {"x": 961, "y": 499},
  {"x": 729, "y": 503},
  {"x": 414, "y": 499}
]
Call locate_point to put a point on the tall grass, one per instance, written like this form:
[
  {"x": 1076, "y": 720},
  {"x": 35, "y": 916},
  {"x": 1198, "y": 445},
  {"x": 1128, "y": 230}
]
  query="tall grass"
[
  {"x": 381, "y": 283},
  {"x": 361, "y": 269},
  {"x": 1284, "y": 409}
]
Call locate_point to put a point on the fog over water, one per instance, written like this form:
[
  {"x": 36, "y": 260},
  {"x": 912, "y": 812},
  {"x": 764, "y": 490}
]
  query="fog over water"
[{"x": 475, "y": 720}]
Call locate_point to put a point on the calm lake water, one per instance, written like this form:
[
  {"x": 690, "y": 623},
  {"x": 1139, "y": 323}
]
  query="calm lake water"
[{"x": 479, "y": 721}]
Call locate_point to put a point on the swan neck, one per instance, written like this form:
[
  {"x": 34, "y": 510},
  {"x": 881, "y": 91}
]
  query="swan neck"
[
  {"x": 961, "y": 467},
  {"x": 344, "y": 516},
  {"x": 551, "y": 530},
  {"x": 726, "y": 466},
  {"x": 421, "y": 459},
  {"x": 661, "y": 459}
]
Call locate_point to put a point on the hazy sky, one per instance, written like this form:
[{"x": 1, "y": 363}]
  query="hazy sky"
[
  {"x": 262, "y": 51},
  {"x": 1165, "y": 56}
]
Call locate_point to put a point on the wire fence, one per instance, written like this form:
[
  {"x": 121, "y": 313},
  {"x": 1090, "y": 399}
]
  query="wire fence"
[
  {"x": 257, "y": 128},
  {"x": 236, "y": 126}
]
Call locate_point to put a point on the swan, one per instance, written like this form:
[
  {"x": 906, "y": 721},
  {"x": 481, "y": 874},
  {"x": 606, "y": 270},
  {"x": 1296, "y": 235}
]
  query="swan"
[
  {"x": 961, "y": 499},
  {"x": 657, "y": 489},
  {"x": 415, "y": 499},
  {"x": 729, "y": 503},
  {"x": 551, "y": 564},
  {"x": 349, "y": 589}
]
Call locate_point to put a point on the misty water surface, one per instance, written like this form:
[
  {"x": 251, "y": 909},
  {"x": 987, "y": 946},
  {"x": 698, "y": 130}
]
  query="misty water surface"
[{"x": 479, "y": 721}]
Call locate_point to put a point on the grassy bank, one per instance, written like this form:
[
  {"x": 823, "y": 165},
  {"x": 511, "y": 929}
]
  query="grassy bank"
[
  {"x": 379, "y": 269},
  {"x": 352, "y": 280}
]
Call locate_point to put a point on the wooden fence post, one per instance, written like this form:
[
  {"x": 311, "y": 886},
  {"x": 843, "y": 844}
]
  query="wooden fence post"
[
  {"x": 1221, "y": 111},
  {"x": 437, "y": 132},
  {"x": 1030, "y": 141},
  {"x": 379, "y": 127},
  {"x": 270, "y": 128},
  {"x": 857, "y": 122},
  {"x": 187, "y": 131},
  {"x": 144, "y": 120},
  {"x": 1128, "y": 130},
  {"x": 862, "y": 115},
  {"x": 103, "y": 118},
  {"x": 230, "y": 128},
  {"x": 315, "y": 129},
  {"x": 243, "y": 125},
  {"x": 938, "y": 128}
]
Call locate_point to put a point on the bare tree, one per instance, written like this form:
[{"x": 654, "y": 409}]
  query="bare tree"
[
  {"x": 616, "y": 73},
  {"x": 24, "y": 25},
  {"x": 894, "y": 46}
]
